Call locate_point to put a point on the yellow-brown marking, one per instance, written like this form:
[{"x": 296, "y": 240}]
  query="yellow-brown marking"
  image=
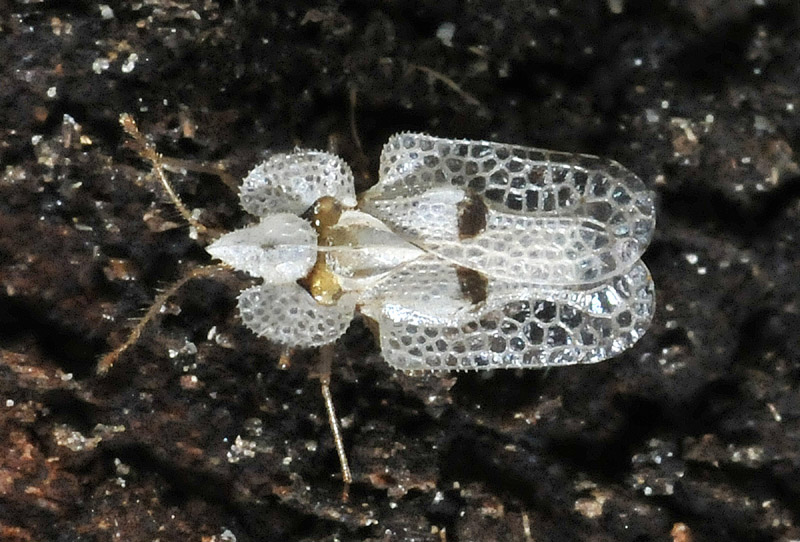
[{"x": 321, "y": 282}]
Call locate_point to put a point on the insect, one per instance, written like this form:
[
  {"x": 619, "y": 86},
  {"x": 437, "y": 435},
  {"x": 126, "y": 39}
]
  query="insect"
[{"x": 466, "y": 255}]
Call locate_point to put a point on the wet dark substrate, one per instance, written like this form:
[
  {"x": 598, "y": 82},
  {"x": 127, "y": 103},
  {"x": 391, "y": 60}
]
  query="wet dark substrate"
[{"x": 197, "y": 434}]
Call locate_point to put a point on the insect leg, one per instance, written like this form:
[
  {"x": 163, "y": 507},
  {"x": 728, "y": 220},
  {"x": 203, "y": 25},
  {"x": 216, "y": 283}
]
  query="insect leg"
[
  {"x": 326, "y": 359},
  {"x": 285, "y": 360},
  {"x": 526, "y": 527},
  {"x": 108, "y": 360}
]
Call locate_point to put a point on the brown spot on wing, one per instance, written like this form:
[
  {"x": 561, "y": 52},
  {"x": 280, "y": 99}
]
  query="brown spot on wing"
[
  {"x": 472, "y": 213},
  {"x": 474, "y": 285}
]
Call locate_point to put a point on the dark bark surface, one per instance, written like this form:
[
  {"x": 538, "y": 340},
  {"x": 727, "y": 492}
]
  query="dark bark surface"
[{"x": 197, "y": 434}]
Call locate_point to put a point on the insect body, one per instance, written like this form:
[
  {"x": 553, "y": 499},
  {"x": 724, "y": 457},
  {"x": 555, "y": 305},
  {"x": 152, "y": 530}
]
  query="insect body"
[{"x": 467, "y": 254}]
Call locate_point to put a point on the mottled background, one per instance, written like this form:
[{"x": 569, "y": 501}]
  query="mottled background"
[{"x": 198, "y": 435}]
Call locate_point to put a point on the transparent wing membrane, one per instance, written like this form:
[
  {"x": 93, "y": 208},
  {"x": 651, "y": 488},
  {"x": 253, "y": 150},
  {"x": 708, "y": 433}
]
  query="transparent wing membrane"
[
  {"x": 555, "y": 218},
  {"x": 288, "y": 315},
  {"x": 292, "y": 182},
  {"x": 426, "y": 324},
  {"x": 425, "y": 291}
]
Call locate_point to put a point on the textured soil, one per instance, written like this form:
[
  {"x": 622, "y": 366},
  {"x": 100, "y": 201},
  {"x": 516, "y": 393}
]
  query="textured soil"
[{"x": 197, "y": 434}]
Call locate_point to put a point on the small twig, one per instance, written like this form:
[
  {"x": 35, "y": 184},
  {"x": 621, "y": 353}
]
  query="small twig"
[
  {"x": 353, "y": 127},
  {"x": 469, "y": 98},
  {"x": 175, "y": 165}
]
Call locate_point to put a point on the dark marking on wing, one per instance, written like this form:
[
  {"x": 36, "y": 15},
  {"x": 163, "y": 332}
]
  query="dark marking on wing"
[
  {"x": 472, "y": 213},
  {"x": 474, "y": 285}
]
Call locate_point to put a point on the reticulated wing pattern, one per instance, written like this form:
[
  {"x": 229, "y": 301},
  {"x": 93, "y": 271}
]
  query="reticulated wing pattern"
[
  {"x": 292, "y": 182},
  {"x": 517, "y": 326},
  {"x": 555, "y": 218},
  {"x": 288, "y": 315}
]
